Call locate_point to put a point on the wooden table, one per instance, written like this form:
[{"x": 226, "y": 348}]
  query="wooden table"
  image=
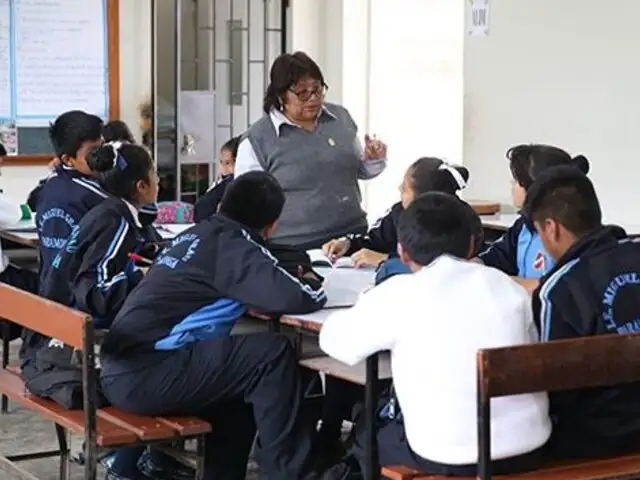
[
  {"x": 374, "y": 367},
  {"x": 484, "y": 207},
  {"x": 27, "y": 235}
]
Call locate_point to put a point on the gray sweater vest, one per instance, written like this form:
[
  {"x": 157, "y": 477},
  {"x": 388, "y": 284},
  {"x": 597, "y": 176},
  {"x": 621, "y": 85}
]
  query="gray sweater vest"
[{"x": 319, "y": 173}]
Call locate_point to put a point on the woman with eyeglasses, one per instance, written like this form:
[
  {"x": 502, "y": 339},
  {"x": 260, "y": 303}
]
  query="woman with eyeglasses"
[{"x": 311, "y": 147}]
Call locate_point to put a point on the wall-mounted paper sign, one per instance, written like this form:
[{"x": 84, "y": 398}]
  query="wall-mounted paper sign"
[{"x": 479, "y": 21}]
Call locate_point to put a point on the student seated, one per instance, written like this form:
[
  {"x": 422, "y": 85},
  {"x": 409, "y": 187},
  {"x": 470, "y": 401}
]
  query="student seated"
[
  {"x": 427, "y": 174},
  {"x": 434, "y": 322},
  {"x": 208, "y": 204},
  {"x": 519, "y": 252},
  {"x": 593, "y": 289},
  {"x": 63, "y": 198},
  {"x": 10, "y": 214},
  {"x": 117, "y": 131},
  {"x": 169, "y": 350}
]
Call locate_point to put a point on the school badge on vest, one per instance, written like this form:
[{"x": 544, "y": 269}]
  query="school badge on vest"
[{"x": 539, "y": 263}]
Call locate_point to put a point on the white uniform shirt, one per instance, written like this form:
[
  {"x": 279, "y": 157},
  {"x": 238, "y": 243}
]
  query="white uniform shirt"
[{"x": 434, "y": 322}]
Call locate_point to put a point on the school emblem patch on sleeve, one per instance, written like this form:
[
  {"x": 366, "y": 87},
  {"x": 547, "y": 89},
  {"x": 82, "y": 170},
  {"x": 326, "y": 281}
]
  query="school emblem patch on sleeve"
[{"x": 539, "y": 263}]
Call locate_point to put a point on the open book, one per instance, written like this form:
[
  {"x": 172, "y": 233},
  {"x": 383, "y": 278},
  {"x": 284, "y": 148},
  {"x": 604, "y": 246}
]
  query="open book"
[{"x": 319, "y": 259}]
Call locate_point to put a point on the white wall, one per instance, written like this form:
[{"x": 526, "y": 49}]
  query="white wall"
[
  {"x": 397, "y": 66},
  {"x": 560, "y": 72},
  {"x": 135, "y": 84}
]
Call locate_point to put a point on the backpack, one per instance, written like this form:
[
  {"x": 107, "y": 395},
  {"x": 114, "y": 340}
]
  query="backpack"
[
  {"x": 174, "y": 212},
  {"x": 57, "y": 375}
]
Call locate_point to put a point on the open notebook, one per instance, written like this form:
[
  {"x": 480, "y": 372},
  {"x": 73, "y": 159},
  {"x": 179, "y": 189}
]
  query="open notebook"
[{"x": 319, "y": 259}]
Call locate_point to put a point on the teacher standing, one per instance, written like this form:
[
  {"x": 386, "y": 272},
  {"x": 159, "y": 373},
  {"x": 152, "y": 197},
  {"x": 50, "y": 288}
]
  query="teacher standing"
[{"x": 312, "y": 149}]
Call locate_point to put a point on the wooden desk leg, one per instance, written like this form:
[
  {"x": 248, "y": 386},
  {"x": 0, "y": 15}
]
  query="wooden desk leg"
[
  {"x": 6, "y": 330},
  {"x": 372, "y": 464}
]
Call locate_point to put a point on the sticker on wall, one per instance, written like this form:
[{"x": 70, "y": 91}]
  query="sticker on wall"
[{"x": 479, "y": 21}]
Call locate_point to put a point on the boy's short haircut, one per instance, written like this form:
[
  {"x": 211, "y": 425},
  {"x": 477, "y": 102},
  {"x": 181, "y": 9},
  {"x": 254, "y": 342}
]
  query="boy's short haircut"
[
  {"x": 433, "y": 225},
  {"x": 71, "y": 129},
  {"x": 254, "y": 199},
  {"x": 566, "y": 195},
  {"x": 3, "y": 151},
  {"x": 232, "y": 145}
]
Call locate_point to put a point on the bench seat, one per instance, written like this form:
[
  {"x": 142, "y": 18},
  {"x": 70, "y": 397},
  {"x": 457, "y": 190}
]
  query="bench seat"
[
  {"x": 624, "y": 467},
  {"x": 114, "y": 427}
]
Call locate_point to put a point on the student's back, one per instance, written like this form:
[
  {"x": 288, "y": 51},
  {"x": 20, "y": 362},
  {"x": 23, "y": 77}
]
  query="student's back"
[
  {"x": 63, "y": 200},
  {"x": 194, "y": 290},
  {"x": 434, "y": 321},
  {"x": 594, "y": 289}
]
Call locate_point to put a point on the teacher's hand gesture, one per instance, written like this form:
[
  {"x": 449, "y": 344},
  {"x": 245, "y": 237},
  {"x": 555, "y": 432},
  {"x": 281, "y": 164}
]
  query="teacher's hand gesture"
[{"x": 374, "y": 149}]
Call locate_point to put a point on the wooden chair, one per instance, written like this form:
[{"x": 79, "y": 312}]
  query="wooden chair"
[
  {"x": 599, "y": 361},
  {"x": 108, "y": 427}
]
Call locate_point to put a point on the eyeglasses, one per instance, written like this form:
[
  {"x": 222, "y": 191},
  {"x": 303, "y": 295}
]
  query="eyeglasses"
[{"x": 305, "y": 95}]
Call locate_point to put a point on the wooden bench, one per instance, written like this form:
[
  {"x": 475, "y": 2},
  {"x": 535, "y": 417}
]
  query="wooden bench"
[
  {"x": 107, "y": 427},
  {"x": 554, "y": 366}
]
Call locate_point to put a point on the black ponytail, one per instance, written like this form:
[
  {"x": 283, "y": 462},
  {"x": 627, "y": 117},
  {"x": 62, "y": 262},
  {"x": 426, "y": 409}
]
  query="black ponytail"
[
  {"x": 119, "y": 166},
  {"x": 431, "y": 174},
  {"x": 527, "y": 161}
]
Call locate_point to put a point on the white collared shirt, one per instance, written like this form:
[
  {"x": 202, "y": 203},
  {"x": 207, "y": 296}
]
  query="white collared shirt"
[
  {"x": 434, "y": 322},
  {"x": 247, "y": 161}
]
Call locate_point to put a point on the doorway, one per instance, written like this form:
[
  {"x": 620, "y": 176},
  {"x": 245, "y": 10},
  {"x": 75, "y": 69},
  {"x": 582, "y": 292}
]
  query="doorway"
[{"x": 211, "y": 62}]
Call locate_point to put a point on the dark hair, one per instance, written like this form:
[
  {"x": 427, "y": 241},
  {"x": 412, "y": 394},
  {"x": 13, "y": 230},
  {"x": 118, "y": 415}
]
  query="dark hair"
[
  {"x": 232, "y": 145},
  {"x": 527, "y": 161},
  {"x": 286, "y": 71},
  {"x": 566, "y": 195},
  {"x": 119, "y": 166},
  {"x": 3, "y": 151},
  {"x": 431, "y": 174},
  {"x": 71, "y": 129},
  {"x": 435, "y": 224},
  {"x": 254, "y": 199},
  {"x": 117, "y": 131},
  {"x": 477, "y": 230}
]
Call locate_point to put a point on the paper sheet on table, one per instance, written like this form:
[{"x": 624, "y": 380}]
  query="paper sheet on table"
[
  {"x": 343, "y": 286},
  {"x": 22, "y": 226},
  {"x": 319, "y": 259},
  {"x": 170, "y": 230}
]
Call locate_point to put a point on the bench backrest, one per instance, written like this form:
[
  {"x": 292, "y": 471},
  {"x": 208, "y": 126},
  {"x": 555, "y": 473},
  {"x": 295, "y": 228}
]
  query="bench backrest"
[
  {"x": 598, "y": 361},
  {"x": 560, "y": 365},
  {"x": 43, "y": 316}
]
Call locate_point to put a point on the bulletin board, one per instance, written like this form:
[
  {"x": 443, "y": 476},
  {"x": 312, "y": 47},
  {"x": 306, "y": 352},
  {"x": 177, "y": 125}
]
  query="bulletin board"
[{"x": 55, "y": 55}]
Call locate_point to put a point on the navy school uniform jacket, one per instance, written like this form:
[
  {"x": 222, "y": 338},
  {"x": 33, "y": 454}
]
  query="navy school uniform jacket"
[
  {"x": 382, "y": 237},
  {"x": 92, "y": 272},
  {"x": 519, "y": 252},
  {"x": 60, "y": 201},
  {"x": 208, "y": 204},
  {"x": 593, "y": 290},
  {"x": 197, "y": 289}
]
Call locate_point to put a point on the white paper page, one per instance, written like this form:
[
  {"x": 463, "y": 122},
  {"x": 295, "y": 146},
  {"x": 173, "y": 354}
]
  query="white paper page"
[
  {"x": 22, "y": 226},
  {"x": 5, "y": 61},
  {"x": 60, "y": 58},
  {"x": 318, "y": 258},
  {"x": 344, "y": 286}
]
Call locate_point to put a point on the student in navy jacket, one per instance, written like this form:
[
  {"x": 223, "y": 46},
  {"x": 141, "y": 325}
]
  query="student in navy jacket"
[
  {"x": 93, "y": 271},
  {"x": 169, "y": 350},
  {"x": 593, "y": 289},
  {"x": 519, "y": 252},
  {"x": 427, "y": 174},
  {"x": 208, "y": 204}
]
